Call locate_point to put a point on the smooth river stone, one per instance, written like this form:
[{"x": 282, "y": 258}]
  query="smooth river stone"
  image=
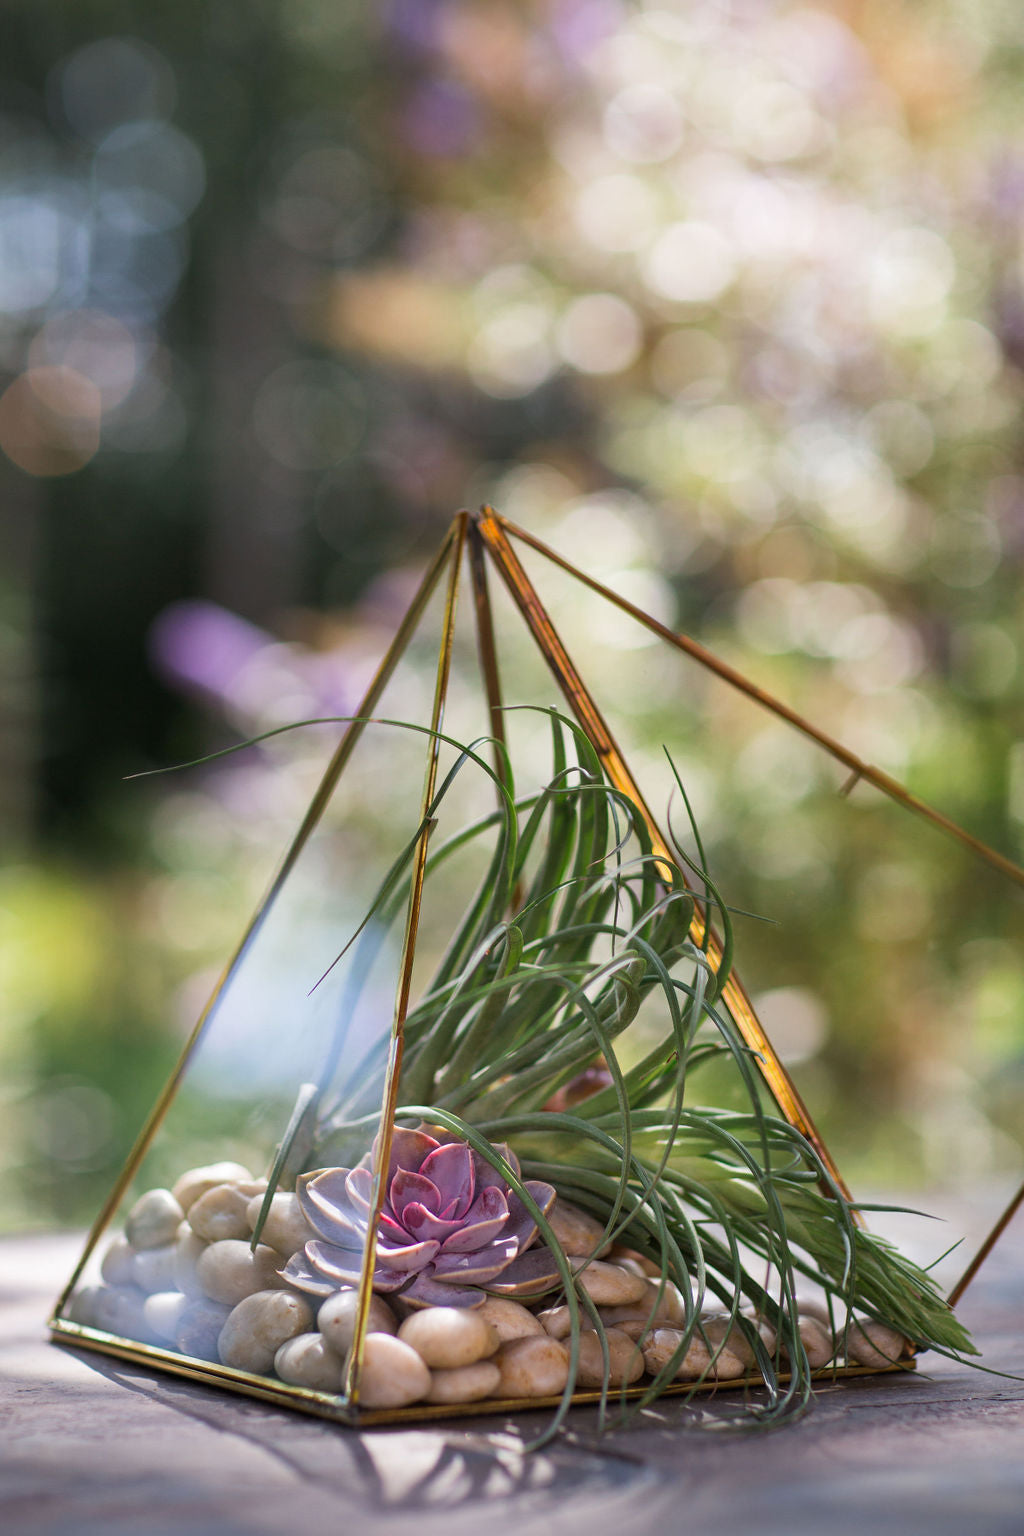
[
  {"x": 874, "y": 1344},
  {"x": 640, "y": 1332},
  {"x": 720, "y": 1329},
  {"x": 199, "y": 1328},
  {"x": 531, "y": 1367},
  {"x": 817, "y": 1306},
  {"x": 162, "y": 1313},
  {"x": 115, "y": 1309},
  {"x": 446, "y": 1338},
  {"x": 257, "y": 1328},
  {"x": 578, "y": 1233},
  {"x": 393, "y": 1375},
  {"x": 618, "y": 1253},
  {"x": 229, "y": 1272},
  {"x": 557, "y": 1321},
  {"x": 285, "y": 1228},
  {"x": 610, "y": 1286},
  {"x": 769, "y": 1338},
  {"x": 220, "y": 1213},
  {"x": 664, "y": 1342},
  {"x": 625, "y": 1360},
  {"x": 186, "y": 1257},
  {"x": 118, "y": 1267},
  {"x": 465, "y": 1384},
  {"x": 154, "y": 1269},
  {"x": 818, "y": 1341},
  {"x": 663, "y": 1303},
  {"x": 198, "y": 1180},
  {"x": 509, "y": 1319},
  {"x": 309, "y": 1361},
  {"x": 81, "y": 1307},
  {"x": 153, "y": 1220},
  {"x": 337, "y": 1319},
  {"x": 119, "y": 1309}
]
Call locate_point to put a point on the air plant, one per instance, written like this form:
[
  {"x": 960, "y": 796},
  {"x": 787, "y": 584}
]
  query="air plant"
[{"x": 578, "y": 948}]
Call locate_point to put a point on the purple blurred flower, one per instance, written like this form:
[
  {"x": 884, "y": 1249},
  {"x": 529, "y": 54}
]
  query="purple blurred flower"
[
  {"x": 441, "y": 119},
  {"x": 205, "y": 646},
  {"x": 451, "y": 1230}
]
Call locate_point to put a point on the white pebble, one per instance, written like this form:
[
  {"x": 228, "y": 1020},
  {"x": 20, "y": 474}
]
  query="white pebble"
[
  {"x": 115, "y": 1309},
  {"x": 285, "y": 1228},
  {"x": 81, "y": 1306},
  {"x": 229, "y": 1271},
  {"x": 153, "y": 1220},
  {"x": 531, "y": 1367},
  {"x": 154, "y": 1269},
  {"x": 874, "y": 1344},
  {"x": 162, "y": 1313},
  {"x": 199, "y": 1328},
  {"x": 448, "y": 1337},
  {"x": 610, "y": 1286},
  {"x": 186, "y": 1257},
  {"x": 393, "y": 1375},
  {"x": 257, "y": 1328},
  {"x": 337, "y": 1319},
  {"x": 464, "y": 1384},
  {"x": 118, "y": 1267},
  {"x": 198, "y": 1180},
  {"x": 220, "y": 1213},
  {"x": 509, "y": 1319},
  {"x": 625, "y": 1360},
  {"x": 309, "y": 1361}
]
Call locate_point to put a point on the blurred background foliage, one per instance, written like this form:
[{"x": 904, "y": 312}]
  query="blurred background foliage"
[{"x": 724, "y": 298}]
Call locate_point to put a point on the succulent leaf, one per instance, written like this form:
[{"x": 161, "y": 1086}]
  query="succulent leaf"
[{"x": 449, "y": 1225}]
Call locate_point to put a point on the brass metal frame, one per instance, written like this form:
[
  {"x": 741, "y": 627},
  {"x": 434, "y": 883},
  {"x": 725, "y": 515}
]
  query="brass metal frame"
[
  {"x": 486, "y": 535},
  {"x": 326, "y": 1405}
]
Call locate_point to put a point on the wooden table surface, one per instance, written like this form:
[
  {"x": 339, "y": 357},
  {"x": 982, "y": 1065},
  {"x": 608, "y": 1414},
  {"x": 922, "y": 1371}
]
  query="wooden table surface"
[{"x": 94, "y": 1447}]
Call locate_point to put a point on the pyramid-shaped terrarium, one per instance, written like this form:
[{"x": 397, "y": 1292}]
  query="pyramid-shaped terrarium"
[{"x": 431, "y": 1147}]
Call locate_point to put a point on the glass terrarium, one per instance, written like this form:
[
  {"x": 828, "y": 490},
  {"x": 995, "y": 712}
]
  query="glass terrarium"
[{"x": 441, "y": 1141}]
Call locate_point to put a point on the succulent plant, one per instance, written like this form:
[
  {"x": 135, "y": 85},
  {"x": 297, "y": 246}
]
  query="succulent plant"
[{"x": 451, "y": 1230}]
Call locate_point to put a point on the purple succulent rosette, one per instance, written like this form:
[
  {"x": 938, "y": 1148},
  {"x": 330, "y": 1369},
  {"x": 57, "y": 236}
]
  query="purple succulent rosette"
[{"x": 451, "y": 1230}]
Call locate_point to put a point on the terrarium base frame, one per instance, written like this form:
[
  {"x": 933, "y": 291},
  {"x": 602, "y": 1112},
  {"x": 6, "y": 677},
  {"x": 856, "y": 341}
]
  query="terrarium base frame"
[
  {"x": 326, "y": 1405},
  {"x": 487, "y": 536}
]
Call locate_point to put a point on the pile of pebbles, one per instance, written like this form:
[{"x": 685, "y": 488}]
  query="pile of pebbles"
[{"x": 183, "y": 1276}]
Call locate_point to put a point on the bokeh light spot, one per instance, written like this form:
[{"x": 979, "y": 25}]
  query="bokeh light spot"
[
  {"x": 50, "y": 421},
  {"x": 643, "y": 123},
  {"x": 148, "y": 176},
  {"x": 94, "y": 345},
  {"x": 114, "y": 80},
  {"x": 310, "y": 415},
  {"x": 690, "y": 262},
  {"x": 616, "y": 213},
  {"x": 599, "y": 333}
]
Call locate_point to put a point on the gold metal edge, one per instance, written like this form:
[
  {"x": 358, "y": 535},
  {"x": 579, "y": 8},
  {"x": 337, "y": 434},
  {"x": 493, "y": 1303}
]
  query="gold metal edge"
[
  {"x": 455, "y": 544},
  {"x": 579, "y": 698},
  {"x": 329, "y": 1406},
  {"x": 736, "y": 679}
]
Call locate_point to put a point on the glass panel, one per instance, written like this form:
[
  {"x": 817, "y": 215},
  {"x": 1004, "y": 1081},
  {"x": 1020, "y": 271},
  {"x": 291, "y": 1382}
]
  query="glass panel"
[{"x": 285, "y": 1077}]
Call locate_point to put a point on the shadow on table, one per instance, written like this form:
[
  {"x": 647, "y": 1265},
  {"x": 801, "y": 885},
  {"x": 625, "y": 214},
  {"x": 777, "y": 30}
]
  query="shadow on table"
[{"x": 437, "y": 1470}]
